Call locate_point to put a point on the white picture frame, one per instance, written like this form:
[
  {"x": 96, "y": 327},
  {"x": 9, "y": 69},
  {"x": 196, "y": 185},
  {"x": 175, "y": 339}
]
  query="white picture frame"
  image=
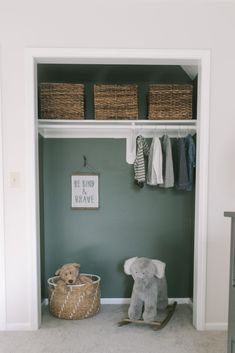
[{"x": 85, "y": 191}]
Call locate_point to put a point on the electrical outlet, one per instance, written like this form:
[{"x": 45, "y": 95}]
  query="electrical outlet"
[{"x": 14, "y": 179}]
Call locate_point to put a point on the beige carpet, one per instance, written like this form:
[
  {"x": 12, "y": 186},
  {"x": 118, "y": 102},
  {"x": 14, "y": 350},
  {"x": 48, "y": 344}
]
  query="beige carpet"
[{"x": 101, "y": 334}]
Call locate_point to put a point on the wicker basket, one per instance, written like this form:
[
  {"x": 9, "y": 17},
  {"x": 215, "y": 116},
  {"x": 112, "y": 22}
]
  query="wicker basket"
[
  {"x": 62, "y": 101},
  {"x": 170, "y": 102},
  {"x": 79, "y": 302},
  {"x": 116, "y": 101}
]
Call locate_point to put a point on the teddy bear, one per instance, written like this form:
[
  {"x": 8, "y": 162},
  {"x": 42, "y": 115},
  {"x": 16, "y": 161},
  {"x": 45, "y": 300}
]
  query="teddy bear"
[
  {"x": 69, "y": 275},
  {"x": 149, "y": 292}
]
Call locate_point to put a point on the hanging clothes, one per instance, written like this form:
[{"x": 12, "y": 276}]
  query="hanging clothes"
[
  {"x": 180, "y": 165},
  {"x": 191, "y": 159},
  {"x": 139, "y": 163},
  {"x": 154, "y": 176},
  {"x": 168, "y": 170}
]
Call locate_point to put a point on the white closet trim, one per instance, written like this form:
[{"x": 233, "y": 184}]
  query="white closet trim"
[{"x": 200, "y": 58}]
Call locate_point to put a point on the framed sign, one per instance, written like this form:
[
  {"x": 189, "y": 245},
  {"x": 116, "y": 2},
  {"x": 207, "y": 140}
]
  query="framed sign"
[{"x": 85, "y": 191}]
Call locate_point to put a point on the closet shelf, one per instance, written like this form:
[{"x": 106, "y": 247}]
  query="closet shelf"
[{"x": 111, "y": 128}]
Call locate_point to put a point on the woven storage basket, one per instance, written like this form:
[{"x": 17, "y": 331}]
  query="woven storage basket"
[
  {"x": 116, "y": 101},
  {"x": 79, "y": 302},
  {"x": 170, "y": 102},
  {"x": 62, "y": 100}
]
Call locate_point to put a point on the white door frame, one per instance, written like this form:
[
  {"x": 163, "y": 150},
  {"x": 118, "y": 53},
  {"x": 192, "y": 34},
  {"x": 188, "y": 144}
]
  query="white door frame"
[
  {"x": 201, "y": 58},
  {"x": 2, "y": 230}
]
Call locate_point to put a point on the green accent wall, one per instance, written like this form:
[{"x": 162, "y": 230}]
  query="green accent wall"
[{"x": 152, "y": 222}]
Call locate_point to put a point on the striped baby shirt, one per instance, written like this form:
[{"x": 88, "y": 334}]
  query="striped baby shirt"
[{"x": 139, "y": 163}]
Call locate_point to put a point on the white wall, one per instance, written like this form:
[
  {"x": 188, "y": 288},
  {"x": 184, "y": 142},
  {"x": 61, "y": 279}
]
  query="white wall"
[
  {"x": 2, "y": 239},
  {"x": 120, "y": 24}
]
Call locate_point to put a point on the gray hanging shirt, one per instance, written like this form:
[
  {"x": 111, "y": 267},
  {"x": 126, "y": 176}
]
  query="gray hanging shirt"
[
  {"x": 191, "y": 160},
  {"x": 180, "y": 165}
]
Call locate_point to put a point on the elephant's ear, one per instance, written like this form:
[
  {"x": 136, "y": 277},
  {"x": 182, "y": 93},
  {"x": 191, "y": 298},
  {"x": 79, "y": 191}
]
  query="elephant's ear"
[
  {"x": 160, "y": 268},
  {"x": 127, "y": 265}
]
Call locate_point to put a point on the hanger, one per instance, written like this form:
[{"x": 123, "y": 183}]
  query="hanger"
[
  {"x": 84, "y": 161},
  {"x": 88, "y": 166},
  {"x": 178, "y": 133}
]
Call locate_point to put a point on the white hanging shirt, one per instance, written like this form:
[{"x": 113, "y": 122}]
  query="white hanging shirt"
[{"x": 154, "y": 176}]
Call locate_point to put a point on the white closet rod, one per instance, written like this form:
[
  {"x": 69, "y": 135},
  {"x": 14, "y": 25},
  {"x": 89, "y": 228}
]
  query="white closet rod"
[
  {"x": 171, "y": 131},
  {"x": 164, "y": 127},
  {"x": 115, "y": 124}
]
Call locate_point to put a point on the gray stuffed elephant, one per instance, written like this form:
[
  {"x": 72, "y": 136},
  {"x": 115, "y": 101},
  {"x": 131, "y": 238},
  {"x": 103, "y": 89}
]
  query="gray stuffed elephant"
[{"x": 149, "y": 292}]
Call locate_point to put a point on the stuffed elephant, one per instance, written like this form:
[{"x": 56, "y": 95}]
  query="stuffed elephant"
[{"x": 149, "y": 292}]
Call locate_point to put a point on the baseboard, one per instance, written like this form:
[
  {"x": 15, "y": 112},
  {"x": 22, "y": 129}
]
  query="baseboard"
[
  {"x": 180, "y": 301},
  {"x": 127, "y": 300},
  {"x": 19, "y": 327},
  {"x": 45, "y": 302},
  {"x": 115, "y": 300},
  {"x": 218, "y": 326},
  {"x": 121, "y": 301}
]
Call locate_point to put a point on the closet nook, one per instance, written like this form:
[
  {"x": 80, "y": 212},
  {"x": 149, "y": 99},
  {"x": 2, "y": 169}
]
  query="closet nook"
[
  {"x": 103, "y": 238},
  {"x": 155, "y": 222}
]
